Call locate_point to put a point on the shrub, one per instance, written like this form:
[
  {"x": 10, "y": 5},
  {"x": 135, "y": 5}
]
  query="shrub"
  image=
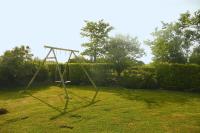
[
  {"x": 178, "y": 76},
  {"x": 100, "y": 73},
  {"x": 139, "y": 77},
  {"x": 20, "y": 75},
  {"x": 162, "y": 75}
]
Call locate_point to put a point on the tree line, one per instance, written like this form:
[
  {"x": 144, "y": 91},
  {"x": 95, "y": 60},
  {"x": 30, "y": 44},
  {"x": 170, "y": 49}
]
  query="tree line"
[{"x": 175, "y": 42}]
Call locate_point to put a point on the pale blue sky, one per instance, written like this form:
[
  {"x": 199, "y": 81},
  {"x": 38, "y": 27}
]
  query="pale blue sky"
[{"x": 58, "y": 22}]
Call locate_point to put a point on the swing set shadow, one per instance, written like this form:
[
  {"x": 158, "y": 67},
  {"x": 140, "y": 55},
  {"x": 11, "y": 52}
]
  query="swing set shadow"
[
  {"x": 61, "y": 74},
  {"x": 74, "y": 110},
  {"x": 60, "y": 111}
]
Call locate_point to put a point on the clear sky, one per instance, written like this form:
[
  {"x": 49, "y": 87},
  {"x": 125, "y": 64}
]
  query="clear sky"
[{"x": 58, "y": 22}]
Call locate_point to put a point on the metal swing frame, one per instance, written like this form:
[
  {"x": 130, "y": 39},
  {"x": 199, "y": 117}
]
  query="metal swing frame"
[{"x": 61, "y": 75}]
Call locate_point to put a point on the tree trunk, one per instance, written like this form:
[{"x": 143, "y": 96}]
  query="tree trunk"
[
  {"x": 95, "y": 55},
  {"x": 95, "y": 58}
]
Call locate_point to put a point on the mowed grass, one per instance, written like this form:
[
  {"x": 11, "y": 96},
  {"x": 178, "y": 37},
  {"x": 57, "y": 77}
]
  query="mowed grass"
[{"x": 118, "y": 110}]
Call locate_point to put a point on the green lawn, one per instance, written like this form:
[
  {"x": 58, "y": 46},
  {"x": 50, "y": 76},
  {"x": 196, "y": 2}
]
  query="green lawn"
[{"x": 117, "y": 110}]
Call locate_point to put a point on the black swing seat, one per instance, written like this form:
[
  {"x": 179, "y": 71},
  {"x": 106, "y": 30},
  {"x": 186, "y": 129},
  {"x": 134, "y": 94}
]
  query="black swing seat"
[{"x": 64, "y": 82}]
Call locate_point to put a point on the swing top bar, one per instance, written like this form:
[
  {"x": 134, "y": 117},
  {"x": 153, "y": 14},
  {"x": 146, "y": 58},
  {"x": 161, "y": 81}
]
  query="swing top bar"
[{"x": 60, "y": 48}]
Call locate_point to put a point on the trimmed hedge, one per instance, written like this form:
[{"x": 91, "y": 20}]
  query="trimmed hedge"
[
  {"x": 139, "y": 77},
  {"x": 165, "y": 76},
  {"x": 184, "y": 77},
  {"x": 99, "y": 72},
  {"x": 20, "y": 76},
  {"x": 178, "y": 76}
]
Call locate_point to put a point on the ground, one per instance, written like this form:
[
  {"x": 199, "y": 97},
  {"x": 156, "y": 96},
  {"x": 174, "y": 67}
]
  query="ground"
[{"x": 117, "y": 110}]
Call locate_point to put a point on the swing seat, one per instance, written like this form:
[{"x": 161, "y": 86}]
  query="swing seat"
[
  {"x": 67, "y": 82},
  {"x": 64, "y": 82}
]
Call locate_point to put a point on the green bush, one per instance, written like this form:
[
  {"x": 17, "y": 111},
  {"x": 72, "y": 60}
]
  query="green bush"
[
  {"x": 20, "y": 75},
  {"x": 163, "y": 75},
  {"x": 139, "y": 77},
  {"x": 178, "y": 76}
]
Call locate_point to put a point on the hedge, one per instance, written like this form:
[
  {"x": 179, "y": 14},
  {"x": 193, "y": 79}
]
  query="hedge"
[
  {"x": 101, "y": 73},
  {"x": 139, "y": 78},
  {"x": 184, "y": 77},
  {"x": 20, "y": 75},
  {"x": 178, "y": 76},
  {"x": 165, "y": 76}
]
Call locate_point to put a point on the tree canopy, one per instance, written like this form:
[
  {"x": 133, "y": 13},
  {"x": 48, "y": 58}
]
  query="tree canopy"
[
  {"x": 97, "y": 33},
  {"x": 174, "y": 43},
  {"x": 122, "y": 51}
]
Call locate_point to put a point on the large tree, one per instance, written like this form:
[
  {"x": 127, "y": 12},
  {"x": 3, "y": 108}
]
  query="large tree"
[
  {"x": 122, "y": 51},
  {"x": 167, "y": 45},
  {"x": 175, "y": 41},
  {"x": 97, "y": 33},
  {"x": 189, "y": 31}
]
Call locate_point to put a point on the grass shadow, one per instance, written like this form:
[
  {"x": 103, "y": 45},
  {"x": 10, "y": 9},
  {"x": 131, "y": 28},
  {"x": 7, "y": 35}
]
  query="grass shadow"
[
  {"x": 152, "y": 97},
  {"x": 158, "y": 98},
  {"x": 74, "y": 110},
  {"x": 16, "y": 93}
]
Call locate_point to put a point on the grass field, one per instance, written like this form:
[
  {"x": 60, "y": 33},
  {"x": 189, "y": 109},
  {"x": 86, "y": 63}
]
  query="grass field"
[{"x": 117, "y": 110}]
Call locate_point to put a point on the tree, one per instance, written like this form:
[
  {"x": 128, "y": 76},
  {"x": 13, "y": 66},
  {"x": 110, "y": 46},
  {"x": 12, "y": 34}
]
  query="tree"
[
  {"x": 174, "y": 42},
  {"x": 15, "y": 65},
  {"x": 122, "y": 51},
  {"x": 195, "y": 56},
  {"x": 189, "y": 25},
  {"x": 18, "y": 54},
  {"x": 97, "y": 33},
  {"x": 166, "y": 46}
]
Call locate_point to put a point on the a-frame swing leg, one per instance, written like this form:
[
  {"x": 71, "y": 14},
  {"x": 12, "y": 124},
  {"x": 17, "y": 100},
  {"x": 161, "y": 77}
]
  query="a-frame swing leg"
[
  {"x": 63, "y": 83},
  {"x": 67, "y": 63},
  {"x": 34, "y": 76},
  {"x": 61, "y": 77},
  {"x": 90, "y": 79}
]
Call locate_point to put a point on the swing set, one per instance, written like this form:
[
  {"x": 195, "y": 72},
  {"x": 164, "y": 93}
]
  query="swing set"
[{"x": 62, "y": 81}]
